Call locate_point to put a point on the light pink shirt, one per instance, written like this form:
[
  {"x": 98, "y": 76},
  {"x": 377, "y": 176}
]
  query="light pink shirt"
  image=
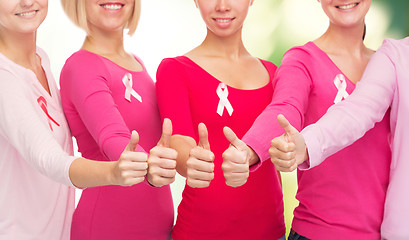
[
  {"x": 33, "y": 156},
  {"x": 386, "y": 74}
]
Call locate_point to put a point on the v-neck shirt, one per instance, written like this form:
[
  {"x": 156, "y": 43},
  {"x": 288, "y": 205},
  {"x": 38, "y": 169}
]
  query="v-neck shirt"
[
  {"x": 344, "y": 197},
  {"x": 36, "y": 196},
  {"x": 188, "y": 95}
]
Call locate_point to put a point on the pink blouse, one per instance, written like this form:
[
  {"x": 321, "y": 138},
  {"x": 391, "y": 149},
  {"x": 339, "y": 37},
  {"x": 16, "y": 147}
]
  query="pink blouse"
[
  {"x": 336, "y": 201},
  {"x": 103, "y": 102}
]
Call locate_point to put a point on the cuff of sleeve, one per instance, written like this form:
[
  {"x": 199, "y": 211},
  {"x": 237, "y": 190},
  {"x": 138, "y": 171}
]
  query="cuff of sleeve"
[
  {"x": 305, "y": 165},
  {"x": 69, "y": 161},
  {"x": 313, "y": 148},
  {"x": 256, "y": 166},
  {"x": 257, "y": 147}
]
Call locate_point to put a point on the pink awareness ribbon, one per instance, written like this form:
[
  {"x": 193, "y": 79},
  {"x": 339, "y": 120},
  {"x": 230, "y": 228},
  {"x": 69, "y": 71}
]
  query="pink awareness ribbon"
[
  {"x": 223, "y": 93},
  {"x": 127, "y": 81},
  {"x": 43, "y": 104},
  {"x": 341, "y": 85}
]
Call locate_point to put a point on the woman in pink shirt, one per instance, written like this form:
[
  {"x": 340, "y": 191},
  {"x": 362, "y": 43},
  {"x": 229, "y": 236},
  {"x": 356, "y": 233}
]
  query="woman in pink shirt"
[
  {"x": 382, "y": 87},
  {"x": 38, "y": 172},
  {"x": 335, "y": 200},
  {"x": 220, "y": 84},
  {"x": 107, "y": 92}
]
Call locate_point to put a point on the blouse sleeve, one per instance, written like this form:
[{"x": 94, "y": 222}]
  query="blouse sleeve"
[
  {"x": 85, "y": 83},
  {"x": 173, "y": 97},
  {"x": 22, "y": 126},
  {"x": 291, "y": 85},
  {"x": 349, "y": 120}
]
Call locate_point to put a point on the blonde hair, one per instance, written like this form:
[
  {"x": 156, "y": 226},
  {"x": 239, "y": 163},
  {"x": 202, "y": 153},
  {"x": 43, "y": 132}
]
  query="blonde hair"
[{"x": 75, "y": 10}]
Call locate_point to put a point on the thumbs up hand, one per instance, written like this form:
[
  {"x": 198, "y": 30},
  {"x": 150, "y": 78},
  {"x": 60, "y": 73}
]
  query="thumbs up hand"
[
  {"x": 162, "y": 159},
  {"x": 131, "y": 166},
  {"x": 235, "y": 160},
  {"x": 200, "y": 166},
  {"x": 289, "y": 150}
]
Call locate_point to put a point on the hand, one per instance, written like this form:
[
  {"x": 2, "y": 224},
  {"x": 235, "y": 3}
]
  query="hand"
[
  {"x": 235, "y": 160},
  {"x": 132, "y": 166},
  {"x": 162, "y": 159},
  {"x": 289, "y": 150},
  {"x": 200, "y": 166}
]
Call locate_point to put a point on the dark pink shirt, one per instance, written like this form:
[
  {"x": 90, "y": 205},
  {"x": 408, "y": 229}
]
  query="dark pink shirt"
[
  {"x": 344, "y": 197},
  {"x": 93, "y": 94},
  {"x": 187, "y": 94}
]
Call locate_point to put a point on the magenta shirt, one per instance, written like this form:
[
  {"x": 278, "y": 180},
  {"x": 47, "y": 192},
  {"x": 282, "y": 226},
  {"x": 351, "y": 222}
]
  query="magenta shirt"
[
  {"x": 383, "y": 86},
  {"x": 188, "y": 95},
  {"x": 336, "y": 201},
  {"x": 96, "y": 103}
]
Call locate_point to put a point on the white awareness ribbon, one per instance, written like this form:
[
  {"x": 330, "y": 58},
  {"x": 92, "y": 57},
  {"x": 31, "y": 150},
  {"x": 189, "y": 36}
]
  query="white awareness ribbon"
[
  {"x": 341, "y": 85},
  {"x": 223, "y": 93},
  {"x": 127, "y": 80}
]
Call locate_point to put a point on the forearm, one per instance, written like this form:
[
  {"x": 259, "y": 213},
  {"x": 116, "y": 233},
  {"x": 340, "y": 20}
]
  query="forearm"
[
  {"x": 88, "y": 173},
  {"x": 347, "y": 121},
  {"x": 183, "y": 145}
]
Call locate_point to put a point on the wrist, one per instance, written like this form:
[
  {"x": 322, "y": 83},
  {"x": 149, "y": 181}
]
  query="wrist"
[
  {"x": 252, "y": 156},
  {"x": 111, "y": 176}
]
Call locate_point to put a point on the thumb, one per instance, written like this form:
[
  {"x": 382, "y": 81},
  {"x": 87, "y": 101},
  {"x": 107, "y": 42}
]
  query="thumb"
[
  {"x": 288, "y": 128},
  {"x": 233, "y": 139},
  {"x": 203, "y": 136},
  {"x": 164, "y": 140},
  {"x": 133, "y": 142}
]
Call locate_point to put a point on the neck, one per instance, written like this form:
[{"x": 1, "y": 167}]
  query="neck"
[
  {"x": 341, "y": 40},
  {"x": 19, "y": 47},
  {"x": 230, "y": 47},
  {"x": 105, "y": 43}
]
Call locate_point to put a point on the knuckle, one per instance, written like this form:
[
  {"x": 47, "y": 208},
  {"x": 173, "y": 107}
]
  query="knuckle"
[
  {"x": 152, "y": 151},
  {"x": 172, "y": 164},
  {"x": 193, "y": 151},
  {"x": 275, "y": 161},
  {"x": 271, "y": 152},
  {"x": 190, "y": 183},
  {"x": 190, "y": 162},
  {"x": 154, "y": 180},
  {"x": 288, "y": 164},
  {"x": 173, "y": 173},
  {"x": 121, "y": 166},
  {"x": 124, "y": 175},
  {"x": 288, "y": 155},
  {"x": 226, "y": 154},
  {"x": 153, "y": 171},
  {"x": 142, "y": 156},
  {"x": 273, "y": 143},
  {"x": 226, "y": 165},
  {"x": 189, "y": 173}
]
